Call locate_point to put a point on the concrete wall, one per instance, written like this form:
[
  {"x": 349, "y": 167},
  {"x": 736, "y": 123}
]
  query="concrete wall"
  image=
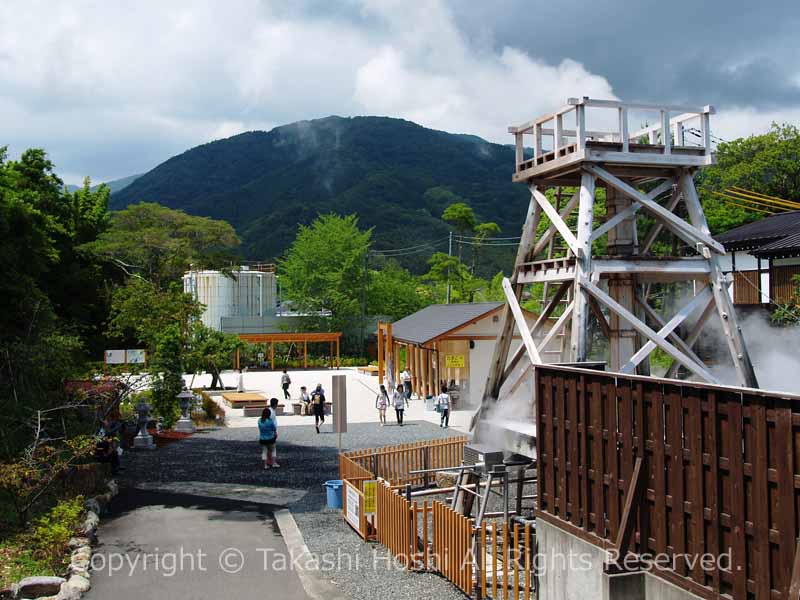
[{"x": 572, "y": 569}]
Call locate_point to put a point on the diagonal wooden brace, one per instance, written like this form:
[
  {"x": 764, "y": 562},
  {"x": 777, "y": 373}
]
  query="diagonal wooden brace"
[
  {"x": 556, "y": 220},
  {"x": 701, "y": 299},
  {"x": 522, "y": 324},
  {"x": 646, "y": 331},
  {"x": 679, "y": 227},
  {"x": 630, "y": 211}
]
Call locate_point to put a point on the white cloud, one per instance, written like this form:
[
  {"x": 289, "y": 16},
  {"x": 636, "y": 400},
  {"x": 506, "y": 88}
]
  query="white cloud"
[
  {"x": 733, "y": 122},
  {"x": 114, "y": 88}
]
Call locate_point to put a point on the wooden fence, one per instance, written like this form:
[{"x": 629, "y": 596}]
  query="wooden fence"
[
  {"x": 677, "y": 469},
  {"x": 452, "y": 546},
  {"x": 507, "y": 557},
  {"x": 395, "y": 463}
]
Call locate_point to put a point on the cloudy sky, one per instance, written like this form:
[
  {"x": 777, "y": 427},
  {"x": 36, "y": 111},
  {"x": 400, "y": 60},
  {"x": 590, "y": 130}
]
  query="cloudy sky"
[{"x": 114, "y": 88}]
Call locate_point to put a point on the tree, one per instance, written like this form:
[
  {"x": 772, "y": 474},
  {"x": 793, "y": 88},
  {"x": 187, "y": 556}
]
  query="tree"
[
  {"x": 483, "y": 231},
  {"x": 445, "y": 268},
  {"x": 395, "y": 293},
  {"x": 323, "y": 271},
  {"x": 768, "y": 164},
  {"x": 37, "y": 351},
  {"x": 461, "y": 216},
  {"x": 212, "y": 351},
  {"x": 160, "y": 243}
]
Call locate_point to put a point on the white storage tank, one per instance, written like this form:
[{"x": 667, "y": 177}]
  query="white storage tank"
[{"x": 243, "y": 293}]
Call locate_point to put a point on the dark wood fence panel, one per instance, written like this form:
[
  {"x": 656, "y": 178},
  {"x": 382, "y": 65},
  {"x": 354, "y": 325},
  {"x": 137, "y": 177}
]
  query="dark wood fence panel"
[{"x": 720, "y": 472}]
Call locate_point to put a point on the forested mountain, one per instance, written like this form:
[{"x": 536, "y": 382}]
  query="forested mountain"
[{"x": 395, "y": 175}]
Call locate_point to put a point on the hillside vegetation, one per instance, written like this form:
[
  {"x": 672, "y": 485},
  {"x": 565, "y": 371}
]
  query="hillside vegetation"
[{"x": 398, "y": 177}]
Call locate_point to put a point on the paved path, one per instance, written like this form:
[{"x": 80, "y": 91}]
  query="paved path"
[
  {"x": 165, "y": 545},
  {"x": 209, "y": 493}
]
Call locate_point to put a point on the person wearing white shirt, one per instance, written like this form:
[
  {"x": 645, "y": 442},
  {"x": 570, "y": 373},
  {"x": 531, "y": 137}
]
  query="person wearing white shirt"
[
  {"x": 399, "y": 401},
  {"x": 443, "y": 404},
  {"x": 405, "y": 378}
]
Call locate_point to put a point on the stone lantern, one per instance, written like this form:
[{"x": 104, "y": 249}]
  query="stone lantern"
[
  {"x": 184, "y": 424},
  {"x": 143, "y": 440}
]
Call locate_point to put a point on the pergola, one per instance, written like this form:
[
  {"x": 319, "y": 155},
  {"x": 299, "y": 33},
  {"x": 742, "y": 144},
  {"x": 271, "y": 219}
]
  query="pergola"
[{"x": 293, "y": 338}]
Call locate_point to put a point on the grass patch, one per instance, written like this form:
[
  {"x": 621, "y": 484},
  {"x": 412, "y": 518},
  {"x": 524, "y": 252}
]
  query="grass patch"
[{"x": 43, "y": 548}]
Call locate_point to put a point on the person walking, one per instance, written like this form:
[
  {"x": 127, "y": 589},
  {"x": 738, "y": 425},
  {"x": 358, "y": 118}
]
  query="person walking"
[
  {"x": 318, "y": 402},
  {"x": 443, "y": 406},
  {"x": 267, "y": 436},
  {"x": 285, "y": 383},
  {"x": 405, "y": 378},
  {"x": 273, "y": 409},
  {"x": 381, "y": 402},
  {"x": 399, "y": 401}
]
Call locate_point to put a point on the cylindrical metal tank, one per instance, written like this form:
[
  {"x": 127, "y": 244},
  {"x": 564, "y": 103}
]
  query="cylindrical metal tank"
[{"x": 244, "y": 293}]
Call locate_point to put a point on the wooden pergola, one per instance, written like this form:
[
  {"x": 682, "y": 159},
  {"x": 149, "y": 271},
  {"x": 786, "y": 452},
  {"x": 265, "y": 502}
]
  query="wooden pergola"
[{"x": 293, "y": 338}]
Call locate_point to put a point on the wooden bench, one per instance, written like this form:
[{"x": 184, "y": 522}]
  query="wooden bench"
[
  {"x": 244, "y": 399},
  {"x": 368, "y": 370}
]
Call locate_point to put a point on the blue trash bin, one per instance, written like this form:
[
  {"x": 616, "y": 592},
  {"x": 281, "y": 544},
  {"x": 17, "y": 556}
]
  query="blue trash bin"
[{"x": 334, "y": 487}]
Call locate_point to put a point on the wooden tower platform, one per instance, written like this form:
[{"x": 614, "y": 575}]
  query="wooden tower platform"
[{"x": 645, "y": 172}]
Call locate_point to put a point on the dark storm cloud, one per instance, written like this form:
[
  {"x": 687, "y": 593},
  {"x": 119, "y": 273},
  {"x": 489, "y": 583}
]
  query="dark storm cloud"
[{"x": 728, "y": 53}]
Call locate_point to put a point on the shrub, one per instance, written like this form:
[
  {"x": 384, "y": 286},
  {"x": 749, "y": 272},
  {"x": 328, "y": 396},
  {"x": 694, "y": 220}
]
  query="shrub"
[
  {"x": 52, "y": 531},
  {"x": 211, "y": 411}
]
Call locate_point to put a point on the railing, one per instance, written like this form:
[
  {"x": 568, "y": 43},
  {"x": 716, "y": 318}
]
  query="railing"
[
  {"x": 430, "y": 536},
  {"x": 395, "y": 463},
  {"x": 665, "y": 468},
  {"x": 669, "y": 131}
]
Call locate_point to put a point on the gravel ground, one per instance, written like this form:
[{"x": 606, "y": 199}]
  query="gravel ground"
[{"x": 232, "y": 456}]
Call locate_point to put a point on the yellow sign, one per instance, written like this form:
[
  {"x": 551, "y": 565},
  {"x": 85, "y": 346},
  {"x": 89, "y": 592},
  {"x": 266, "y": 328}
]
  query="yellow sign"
[
  {"x": 369, "y": 497},
  {"x": 454, "y": 361}
]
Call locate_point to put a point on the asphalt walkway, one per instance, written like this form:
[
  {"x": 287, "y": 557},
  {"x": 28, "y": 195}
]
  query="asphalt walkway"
[
  {"x": 201, "y": 518},
  {"x": 182, "y": 546}
]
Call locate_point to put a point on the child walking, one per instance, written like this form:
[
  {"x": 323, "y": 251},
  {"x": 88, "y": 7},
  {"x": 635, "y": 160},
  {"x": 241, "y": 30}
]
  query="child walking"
[
  {"x": 443, "y": 404},
  {"x": 381, "y": 402},
  {"x": 267, "y": 436}
]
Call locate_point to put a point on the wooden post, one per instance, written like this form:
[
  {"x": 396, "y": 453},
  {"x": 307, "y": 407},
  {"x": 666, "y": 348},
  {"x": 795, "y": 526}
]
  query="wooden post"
[
  {"x": 238, "y": 364},
  {"x": 380, "y": 352},
  {"x": 338, "y": 361},
  {"x": 272, "y": 356},
  {"x": 305, "y": 354},
  {"x": 330, "y": 354},
  {"x": 583, "y": 265}
]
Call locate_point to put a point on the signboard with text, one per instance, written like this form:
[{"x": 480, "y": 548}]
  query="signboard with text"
[
  {"x": 370, "y": 500},
  {"x": 454, "y": 361},
  {"x": 353, "y": 513}
]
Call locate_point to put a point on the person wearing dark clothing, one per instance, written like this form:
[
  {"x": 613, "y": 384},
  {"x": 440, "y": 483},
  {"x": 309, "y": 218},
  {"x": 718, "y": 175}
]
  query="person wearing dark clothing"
[
  {"x": 286, "y": 381},
  {"x": 105, "y": 450},
  {"x": 318, "y": 402}
]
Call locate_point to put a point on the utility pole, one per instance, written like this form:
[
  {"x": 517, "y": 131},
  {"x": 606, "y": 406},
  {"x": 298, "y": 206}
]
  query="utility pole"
[
  {"x": 449, "y": 253},
  {"x": 364, "y": 304}
]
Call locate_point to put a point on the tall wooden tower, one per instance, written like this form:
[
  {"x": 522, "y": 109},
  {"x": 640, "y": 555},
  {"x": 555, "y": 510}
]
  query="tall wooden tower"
[{"x": 649, "y": 173}]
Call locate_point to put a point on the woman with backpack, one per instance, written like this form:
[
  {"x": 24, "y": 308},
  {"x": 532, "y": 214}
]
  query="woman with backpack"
[
  {"x": 381, "y": 402},
  {"x": 267, "y": 436}
]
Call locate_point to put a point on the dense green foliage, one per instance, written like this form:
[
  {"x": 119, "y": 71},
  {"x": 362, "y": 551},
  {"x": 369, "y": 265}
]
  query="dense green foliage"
[
  {"x": 768, "y": 164},
  {"x": 396, "y": 176},
  {"x": 159, "y": 244}
]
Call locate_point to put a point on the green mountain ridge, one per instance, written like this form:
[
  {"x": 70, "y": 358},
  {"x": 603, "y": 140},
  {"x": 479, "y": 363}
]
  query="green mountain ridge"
[
  {"x": 397, "y": 176},
  {"x": 115, "y": 185}
]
